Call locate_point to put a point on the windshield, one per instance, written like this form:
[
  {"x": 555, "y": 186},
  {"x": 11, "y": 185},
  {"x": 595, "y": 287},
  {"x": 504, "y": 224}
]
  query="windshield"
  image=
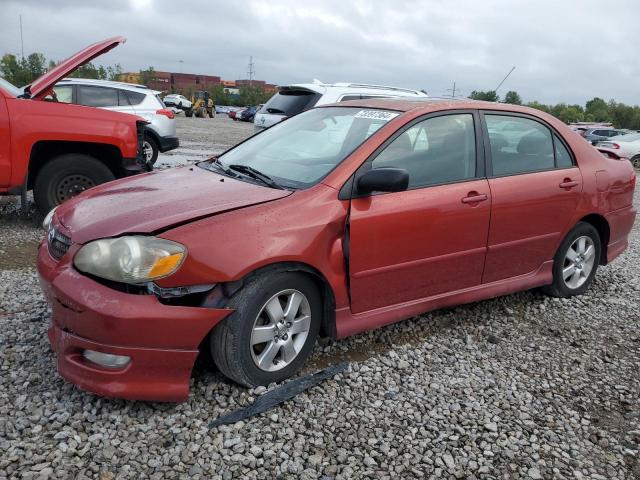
[
  {"x": 10, "y": 88},
  {"x": 300, "y": 151}
]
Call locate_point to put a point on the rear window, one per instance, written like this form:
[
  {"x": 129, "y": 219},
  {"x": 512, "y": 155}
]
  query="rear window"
[{"x": 290, "y": 102}]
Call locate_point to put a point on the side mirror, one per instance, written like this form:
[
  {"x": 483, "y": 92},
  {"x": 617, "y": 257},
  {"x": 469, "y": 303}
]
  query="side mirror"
[{"x": 384, "y": 180}]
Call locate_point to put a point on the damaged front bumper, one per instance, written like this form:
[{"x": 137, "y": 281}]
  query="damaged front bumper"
[{"x": 160, "y": 340}]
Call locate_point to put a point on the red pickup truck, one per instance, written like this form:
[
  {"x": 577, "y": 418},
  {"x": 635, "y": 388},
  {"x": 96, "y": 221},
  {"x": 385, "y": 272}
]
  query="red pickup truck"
[{"x": 57, "y": 149}]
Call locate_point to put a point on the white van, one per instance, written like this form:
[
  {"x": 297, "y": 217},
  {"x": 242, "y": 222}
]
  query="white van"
[{"x": 293, "y": 99}]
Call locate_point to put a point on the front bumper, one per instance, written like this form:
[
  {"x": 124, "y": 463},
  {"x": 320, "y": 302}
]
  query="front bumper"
[{"x": 161, "y": 340}]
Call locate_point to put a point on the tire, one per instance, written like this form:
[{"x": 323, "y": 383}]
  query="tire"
[
  {"x": 231, "y": 341},
  {"x": 66, "y": 176},
  {"x": 150, "y": 149},
  {"x": 189, "y": 112},
  {"x": 635, "y": 161},
  {"x": 571, "y": 278}
]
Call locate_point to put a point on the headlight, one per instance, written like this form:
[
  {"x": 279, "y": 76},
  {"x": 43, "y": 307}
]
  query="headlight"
[
  {"x": 133, "y": 259},
  {"x": 46, "y": 223}
]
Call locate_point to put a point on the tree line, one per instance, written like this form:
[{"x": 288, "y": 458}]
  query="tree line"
[
  {"x": 595, "y": 110},
  {"x": 22, "y": 71}
]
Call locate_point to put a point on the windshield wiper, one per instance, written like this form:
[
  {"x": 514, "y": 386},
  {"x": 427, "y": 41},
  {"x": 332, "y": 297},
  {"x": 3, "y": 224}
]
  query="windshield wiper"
[
  {"x": 217, "y": 164},
  {"x": 257, "y": 174}
]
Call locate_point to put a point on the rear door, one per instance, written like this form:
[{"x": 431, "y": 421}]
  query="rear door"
[
  {"x": 535, "y": 189},
  {"x": 103, "y": 97},
  {"x": 432, "y": 238}
]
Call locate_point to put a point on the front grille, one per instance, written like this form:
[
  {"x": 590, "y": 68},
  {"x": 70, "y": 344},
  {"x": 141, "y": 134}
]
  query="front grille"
[{"x": 58, "y": 243}]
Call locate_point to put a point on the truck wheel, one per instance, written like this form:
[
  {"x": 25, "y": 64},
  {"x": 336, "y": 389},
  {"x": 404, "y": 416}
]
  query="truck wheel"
[
  {"x": 201, "y": 112},
  {"x": 189, "y": 112},
  {"x": 150, "y": 150},
  {"x": 67, "y": 176}
]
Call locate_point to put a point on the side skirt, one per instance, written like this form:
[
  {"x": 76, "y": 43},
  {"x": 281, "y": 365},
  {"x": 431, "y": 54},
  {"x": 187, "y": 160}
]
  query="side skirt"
[{"x": 348, "y": 323}]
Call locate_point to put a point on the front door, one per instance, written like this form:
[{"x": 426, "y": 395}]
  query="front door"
[
  {"x": 535, "y": 190},
  {"x": 432, "y": 238}
]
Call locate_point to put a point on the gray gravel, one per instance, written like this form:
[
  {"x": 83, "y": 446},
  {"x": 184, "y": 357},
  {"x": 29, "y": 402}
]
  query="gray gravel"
[{"x": 523, "y": 386}]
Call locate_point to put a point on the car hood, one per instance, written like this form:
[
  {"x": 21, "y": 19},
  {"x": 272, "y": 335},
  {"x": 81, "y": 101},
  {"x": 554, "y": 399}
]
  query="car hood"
[
  {"x": 43, "y": 84},
  {"x": 157, "y": 201}
]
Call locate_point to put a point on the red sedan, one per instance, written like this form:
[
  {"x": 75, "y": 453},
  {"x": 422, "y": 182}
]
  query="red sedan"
[{"x": 342, "y": 219}]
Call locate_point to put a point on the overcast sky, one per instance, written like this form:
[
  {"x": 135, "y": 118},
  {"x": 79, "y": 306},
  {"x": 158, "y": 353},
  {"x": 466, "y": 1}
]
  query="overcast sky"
[{"x": 564, "y": 50}]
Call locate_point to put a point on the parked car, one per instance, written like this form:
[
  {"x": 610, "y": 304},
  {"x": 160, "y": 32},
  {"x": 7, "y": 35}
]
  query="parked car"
[
  {"x": 176, "y": 100},
  {"x": 293, "y": 99},
  {"x": 235, "y": 114},
  {"x": 57, "y": 149},
  {"x": 248, "y": 114},
  {"x": 222, "y": 109},
  {"x": 624, "y": 146},
  {"x": 316, "y": 226},
  {"x": 595, "y": 135},
  {"x": 160, "y": 134}
]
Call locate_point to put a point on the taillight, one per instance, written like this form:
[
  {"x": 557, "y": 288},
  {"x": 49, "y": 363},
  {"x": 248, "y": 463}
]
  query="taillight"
[
  {"x": 615, "y": 145},
  {"x": 166, "y": 112}
]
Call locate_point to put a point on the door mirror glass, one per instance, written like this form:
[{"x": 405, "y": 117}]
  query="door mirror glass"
[{"x": 384, "y": 180}]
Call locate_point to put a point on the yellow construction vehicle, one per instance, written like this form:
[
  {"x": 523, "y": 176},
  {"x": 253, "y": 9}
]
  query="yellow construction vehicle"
[{"x": 201, "y": 104}]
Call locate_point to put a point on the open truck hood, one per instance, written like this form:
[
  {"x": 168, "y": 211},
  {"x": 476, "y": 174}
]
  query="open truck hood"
[
  {"x": 157, "y": 201},
  {"x": 43, "y": 84}
]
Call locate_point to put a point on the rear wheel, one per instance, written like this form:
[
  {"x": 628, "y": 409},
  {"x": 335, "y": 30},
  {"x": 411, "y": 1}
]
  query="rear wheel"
[
  {"x": 150, "y": 150},
  {"x": 271, "y": 332},
  {"x": 575, "y": 262},
  {"x": 635, "y": 161},
  {"x": 65, "y": 177}
]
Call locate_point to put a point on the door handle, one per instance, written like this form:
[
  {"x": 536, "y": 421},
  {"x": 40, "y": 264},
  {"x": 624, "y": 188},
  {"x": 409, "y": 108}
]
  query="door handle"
[
  {"x": 474, "y": 197},
  {"x": 567, "y": 183}
]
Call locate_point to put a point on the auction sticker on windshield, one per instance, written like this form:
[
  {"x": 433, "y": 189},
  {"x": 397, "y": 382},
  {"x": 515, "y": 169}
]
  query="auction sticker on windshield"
[{"x": 376, "y": 115}]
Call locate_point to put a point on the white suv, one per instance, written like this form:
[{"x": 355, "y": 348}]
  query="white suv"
[
  {"x": 293, "y": 99},
  {"x": 160, "y": 133}
]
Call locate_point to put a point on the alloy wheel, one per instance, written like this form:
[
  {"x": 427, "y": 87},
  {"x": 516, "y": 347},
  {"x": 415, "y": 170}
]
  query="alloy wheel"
[
  {"x": 147, "y": 151},
  {"x": 578, "y": 262},
  {"x": 280, "y": 330}
]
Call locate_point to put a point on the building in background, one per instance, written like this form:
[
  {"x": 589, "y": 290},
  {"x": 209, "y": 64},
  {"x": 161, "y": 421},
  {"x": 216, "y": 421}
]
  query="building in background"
[{"x": 186, "y": 83}]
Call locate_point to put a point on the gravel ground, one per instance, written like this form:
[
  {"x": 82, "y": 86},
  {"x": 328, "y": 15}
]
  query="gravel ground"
[{"x": 523, "y": 386}]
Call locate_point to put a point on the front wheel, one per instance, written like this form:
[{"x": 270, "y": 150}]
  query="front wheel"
[
  {"x": 271, "y": 332},
  {"x": 575, "y": 262},
  {"x": 189, "y": 112},
  {"x": 635, "y": 161},
  {"x": 65, "y": 177}
]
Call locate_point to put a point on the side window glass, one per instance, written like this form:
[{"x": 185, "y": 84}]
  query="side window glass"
[
  {"x": 64, "y": 93},
  {"x": 135, "y": 98},
  {"x": 437, "y": 150},
  {"x": 97, "y": 96},
  {"x": 563, "y": 158},
  {"x": 123, "y": 100},
  {"x": 519, "y": 145}
]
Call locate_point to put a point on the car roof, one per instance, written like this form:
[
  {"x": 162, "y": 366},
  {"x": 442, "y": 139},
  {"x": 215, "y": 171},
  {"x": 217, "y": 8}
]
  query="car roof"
[
  {"x": 320, "y": 87},
  {"x": 431, "y": 104},
  {"x": 110, "y": 83}
]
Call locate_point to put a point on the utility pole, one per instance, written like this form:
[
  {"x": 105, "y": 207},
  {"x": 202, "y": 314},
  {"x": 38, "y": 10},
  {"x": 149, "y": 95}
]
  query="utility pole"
[
  {"x": 21, "y": 40},
  {"x": 251, "y": 71},
  {"x": 452, "y": 90},
  {"x": 181, "y": 62}
]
